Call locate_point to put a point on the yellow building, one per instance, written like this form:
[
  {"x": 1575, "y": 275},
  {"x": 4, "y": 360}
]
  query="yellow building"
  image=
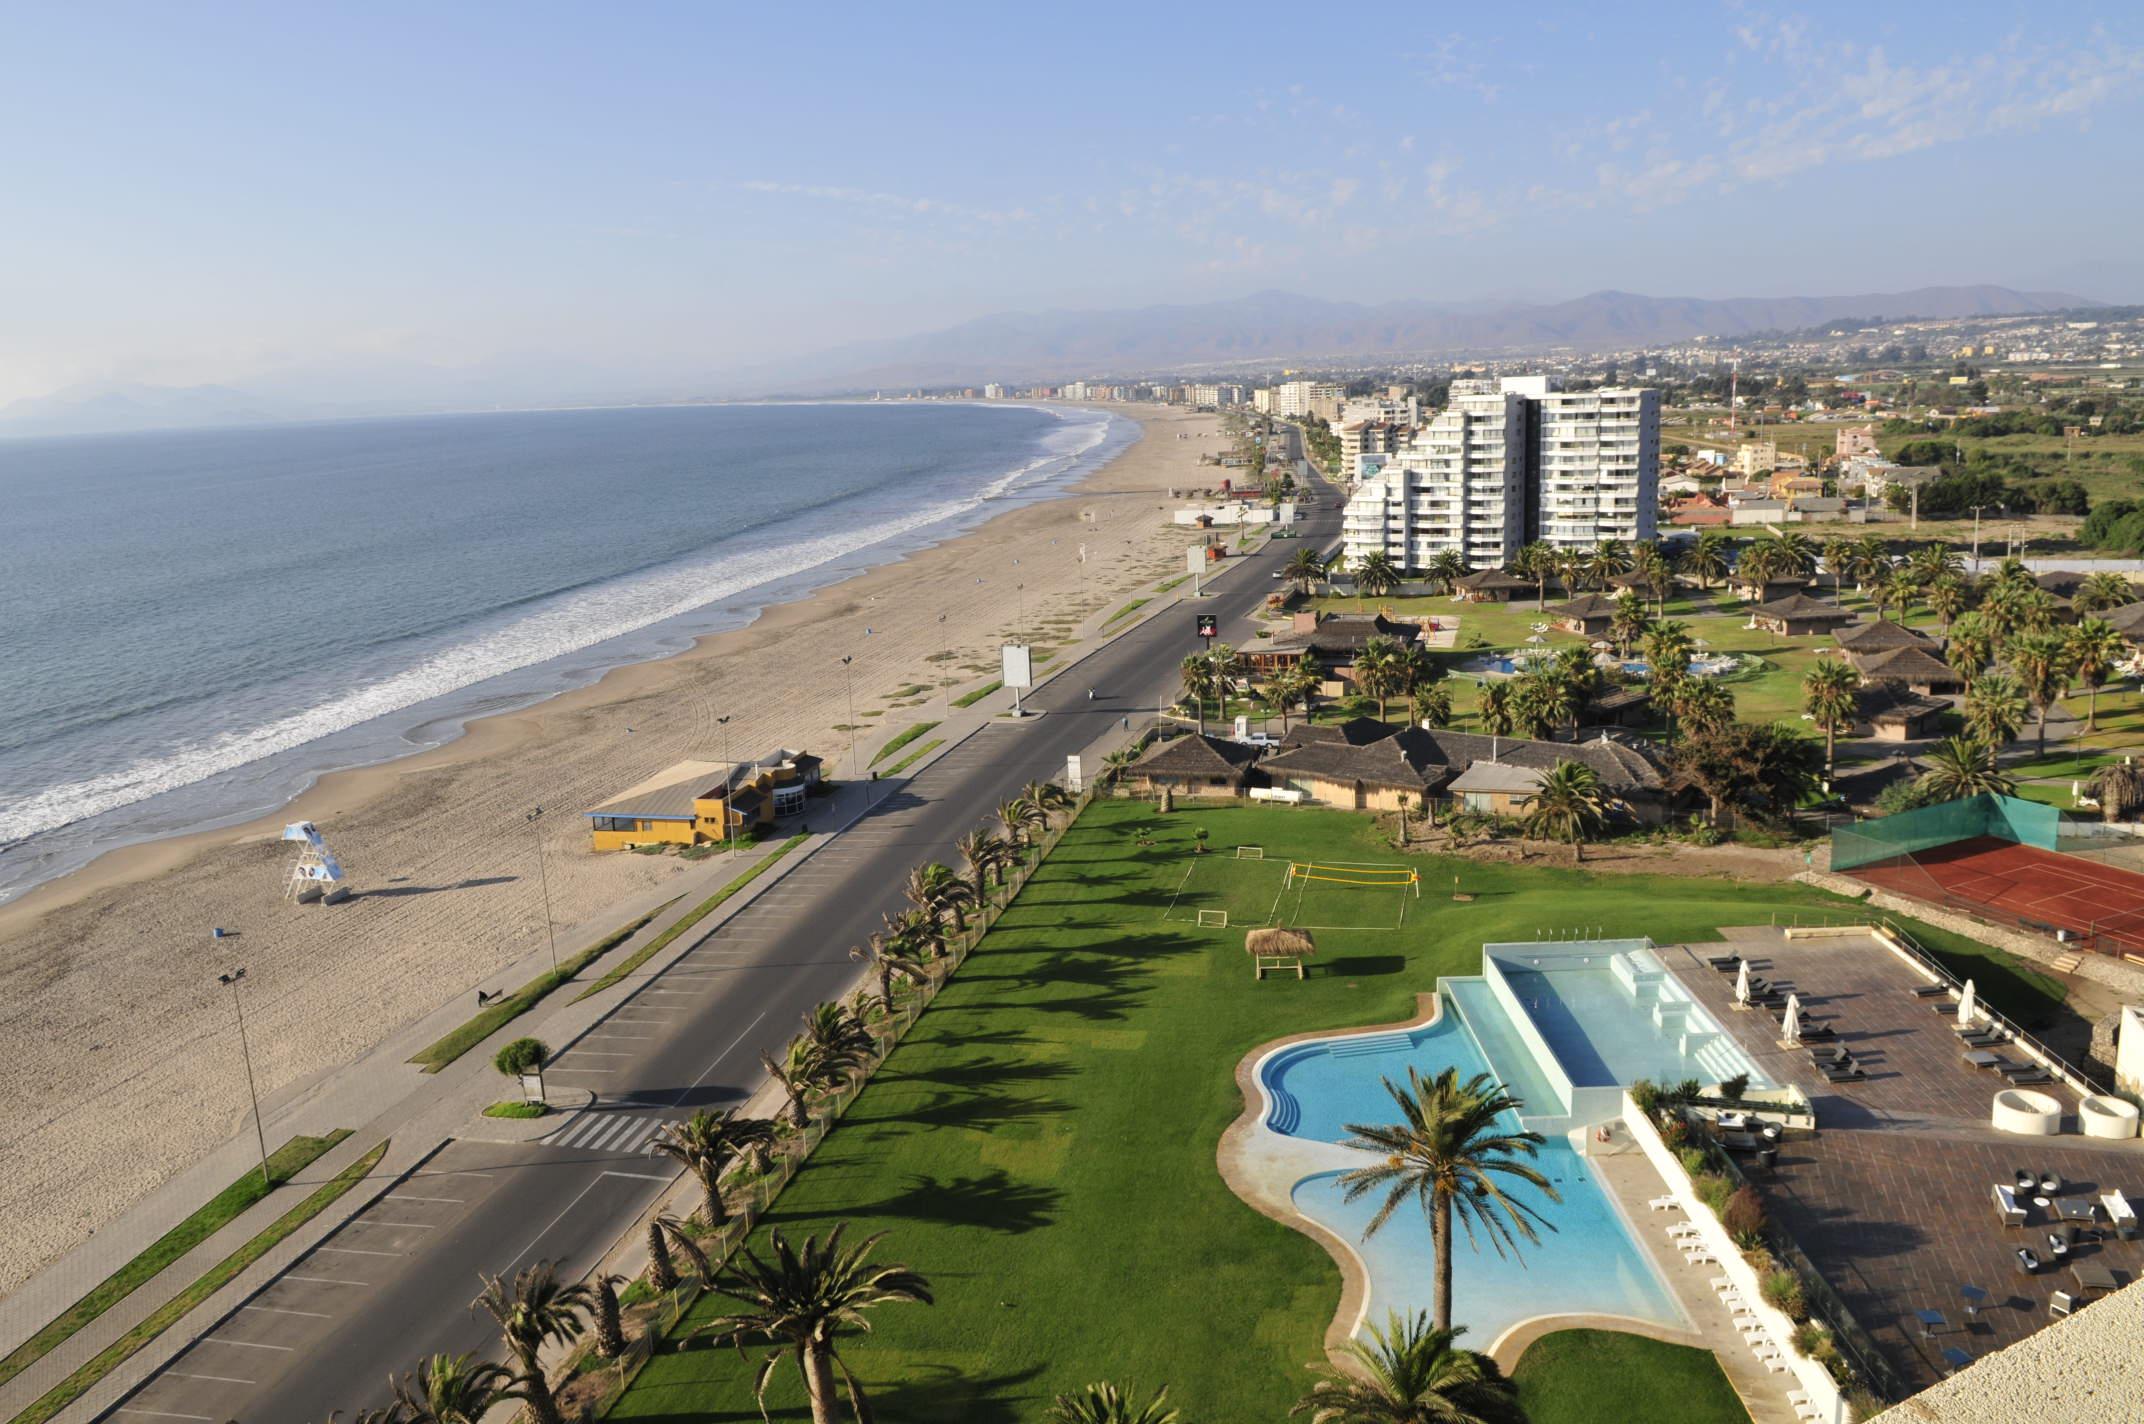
[{"x": 701, "y": 802}]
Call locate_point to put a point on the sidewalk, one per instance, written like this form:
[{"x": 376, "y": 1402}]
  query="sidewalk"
[{"x": 382, "y": 1096}]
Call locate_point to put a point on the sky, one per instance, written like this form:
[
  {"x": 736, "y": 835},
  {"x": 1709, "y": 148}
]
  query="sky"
[{"x": 322, "y": 198}]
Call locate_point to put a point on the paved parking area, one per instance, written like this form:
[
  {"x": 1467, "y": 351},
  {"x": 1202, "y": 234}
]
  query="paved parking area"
[{"x": 1892, "y": 1198}]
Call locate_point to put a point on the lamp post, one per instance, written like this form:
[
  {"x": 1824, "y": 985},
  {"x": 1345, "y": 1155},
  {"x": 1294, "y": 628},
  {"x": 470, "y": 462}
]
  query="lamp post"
[
  {"x": 945, "y": 682},
  {"x": 245, "y": 1049},
  {"x": 543, "y": 878},
  {"x": 729, "y": 784},
  {"x": 848, "y": 682}
]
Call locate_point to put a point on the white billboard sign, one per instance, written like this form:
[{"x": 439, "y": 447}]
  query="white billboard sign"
[
  {"x": 1074, "y": 781},
  {"x": 1019, "y": 665}
]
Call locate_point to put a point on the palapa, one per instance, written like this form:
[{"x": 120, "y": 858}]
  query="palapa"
[{"x": 1278, "y": 948}]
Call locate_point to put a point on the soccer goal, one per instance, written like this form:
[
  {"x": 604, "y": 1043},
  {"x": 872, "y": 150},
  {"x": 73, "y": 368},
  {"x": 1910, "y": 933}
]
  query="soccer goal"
[
  {"x": 1213, "y": 919},
  {"x": 1250, "y": 852}
]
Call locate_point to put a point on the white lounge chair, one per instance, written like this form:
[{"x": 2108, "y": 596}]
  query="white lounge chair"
[
  {"x": 1700, "y": 1257},
  {"x": 1664, "y": 1204},
  {"x": 2006, "y": 1207},
  {"x": 2120, "y": 1214}
]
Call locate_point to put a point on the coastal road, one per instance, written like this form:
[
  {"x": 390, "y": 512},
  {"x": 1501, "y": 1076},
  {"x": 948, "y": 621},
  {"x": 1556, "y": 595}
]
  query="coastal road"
[{"x": 394, "y": 1283}]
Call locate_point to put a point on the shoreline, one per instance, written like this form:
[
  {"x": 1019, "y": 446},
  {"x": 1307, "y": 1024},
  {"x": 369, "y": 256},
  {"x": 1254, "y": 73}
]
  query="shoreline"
[{"x": 440, "y": 861}]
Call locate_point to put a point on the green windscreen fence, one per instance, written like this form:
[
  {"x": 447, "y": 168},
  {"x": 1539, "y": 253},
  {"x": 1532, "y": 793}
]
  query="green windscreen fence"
[{"x": 1911, "y": 832}]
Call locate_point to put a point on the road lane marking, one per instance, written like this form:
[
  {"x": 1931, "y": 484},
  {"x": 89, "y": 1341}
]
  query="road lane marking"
[
  {"x": 640, "y": 1176},
  {"x": 329, "y": 1281},
  {"x": 285, "y": 1310},
  {"x": 579, "y": 1070},
  {"x": 161, "y": 1413},
  {"x": 242, "y": 1344},
  {"x": 408, "y": 1225},
  {"x": 405, "y": 1196},
  {"x": 355, "y": 1251},
  {"x": 598, "y": 1053},
  {"x": 219, "y": 1379}
]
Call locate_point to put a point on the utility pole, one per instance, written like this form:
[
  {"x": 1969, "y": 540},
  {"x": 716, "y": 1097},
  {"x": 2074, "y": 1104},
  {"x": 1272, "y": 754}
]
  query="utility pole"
[
  {"x": 945, "y": 681},
  {"x": 543, "y": 877},
  {"x": 729, "y": 785},
  {"x": 260, "y": 1134},
  {"x": 1976, "y": 539}
]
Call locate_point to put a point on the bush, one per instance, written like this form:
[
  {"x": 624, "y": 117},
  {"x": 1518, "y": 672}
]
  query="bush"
[
  {"x": 1674, "y": 1131},
  {"x": 523, "y": 1055},
  {"x": 1743, "y": 1217},
  {"x": 1693, "y": 1161},
  {"x": 1645, "y": 1095},
  {"x": 1733, "y": 1088},
  {"x": 1783, "y": 1290}
]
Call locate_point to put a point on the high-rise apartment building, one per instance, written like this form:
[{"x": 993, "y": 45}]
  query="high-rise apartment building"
[
  {"x": 1510, "y": 461},
  {"x": 1292, "y": 399}
]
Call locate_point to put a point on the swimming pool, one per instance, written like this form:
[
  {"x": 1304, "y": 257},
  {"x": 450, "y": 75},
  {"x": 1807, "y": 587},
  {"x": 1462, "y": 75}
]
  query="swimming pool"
[{"x": 1589, "y": 1263}]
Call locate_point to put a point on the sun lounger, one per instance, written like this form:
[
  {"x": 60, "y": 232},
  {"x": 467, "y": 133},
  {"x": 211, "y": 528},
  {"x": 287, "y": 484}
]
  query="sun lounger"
[
  {"x": 1818, "y": 1033},
  {"x": 2121, "y": 1214},
  {"x": 2011, "y": 1070},
  {"x": 2031, "y": 1076},
  {"x": 1955, "y": 1359},
  {"x": 2007, "y": 1209},
  {"x": 1845, "y": 1073},
  {"x": 1725, "y": 963},
  {"x": 1830, "y": 1053},
  {"x": 1930, "y": 991},
  {"x": 1664, "y": 1204}
]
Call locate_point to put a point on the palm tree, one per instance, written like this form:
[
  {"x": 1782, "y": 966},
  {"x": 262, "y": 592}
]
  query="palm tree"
[
  {"x": 535, "y": 1310},
  {"x": 1972, "y": 645},
  {"x": 1650, "y": 562},
  {"x": 667, "y": 1233},
  {"x": 453, "y": 1389},
  {"x": 1567, "y": 806},
  {"x": 2102, "y": 591},
  {"x": 1884, "y": 588},
  {"x": 980, "y": 852},
  {"x": 1797, "y": 555},
  {"x": 937, "y": 892},
  {"x": 1446, "y": 569},
  {"x": 610, "y": 1320},
  {"x": 1410, "y": 1373},
  {"x": 1433, "y": 705},
  {"x": 797, "y": 1074},
  {"x": 1304, "y": 568},
  {"x": 2095, "y": 650},
  {"x": 2041, "y": 663},
  {"x": 1704, "y": 706},
  {"x": 1536, "y": 561},
  {"x": 1994, "y": 708},
  {"x": 1413, "y": 670},
  {"x": 798, "y": 1299},
  {"x": 1104, "y": 1403},
  {"x": 1947, "y": 598},
  {"x": 1668, "y": 647},
  {"x": 1629, "y": 622},
  {"x": 705, "y": 1145},
  {"x": 1292, "y": 686},
  {"x": 1116, "y": 763},
  {"x": 1838, "y": 558},
  {"x": 1871, "y": 555},
  {"x": 841, "y": 1041},
  {"x": 1828, "y": 697},
  {"x": 1706, "y": 560},
  {"x": 1494, "y": 710},
  {"x": 1448, "y": 1153},
  {"x": 1198, "y": 680},
  {"x": 1933, "y": 561},
  {"x": 1607, "y": 559},
  {"x": 1375, "y": 575},
  {"x": 2119, "y": 789},
  {"x": 1959, "y": 767},
  {"x": 1377, "y": 671},
  {"x": 888, "y": 964},
  {"x": 1760, "y": 563}
]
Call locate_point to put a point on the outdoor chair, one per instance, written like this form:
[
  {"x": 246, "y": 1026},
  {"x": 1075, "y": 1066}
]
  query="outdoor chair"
[
  {"x": 2051, "y": 1183},
  {"x": 2026, "y": 1181},
  {"x": 1725, "y": 963},
  {"x": 1845, "y": 1073},
  {"x": 2056, "y": 1246},
  {"x": 1833, "y": 1053},
  {"x": 1818, "y": 1033},
  {"x": 2027, "y": 1263},
  {"x": 1929, "y": 991},
  {"x": 1955, "y": 1359},
  {"x": 2007, "y": 1209}
]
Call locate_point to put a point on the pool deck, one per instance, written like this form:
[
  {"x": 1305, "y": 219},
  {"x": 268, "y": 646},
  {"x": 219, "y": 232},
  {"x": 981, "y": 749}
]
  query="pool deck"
[{"x": 1891, "y": 1198}]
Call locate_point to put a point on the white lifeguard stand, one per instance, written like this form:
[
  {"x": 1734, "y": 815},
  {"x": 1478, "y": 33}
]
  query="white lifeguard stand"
[{"x": 317, "y": 874}]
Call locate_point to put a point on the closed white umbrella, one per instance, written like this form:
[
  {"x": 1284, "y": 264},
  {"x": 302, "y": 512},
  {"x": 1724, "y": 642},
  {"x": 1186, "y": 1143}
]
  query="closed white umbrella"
[
  {"x": 1793, "y": 1024},
  {"x": 1742, "y": 983},
  {"x": 1965, "y": 1006}
]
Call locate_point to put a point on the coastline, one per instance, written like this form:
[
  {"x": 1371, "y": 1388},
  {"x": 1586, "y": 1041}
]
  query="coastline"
[{"x": 108, "y": 970}]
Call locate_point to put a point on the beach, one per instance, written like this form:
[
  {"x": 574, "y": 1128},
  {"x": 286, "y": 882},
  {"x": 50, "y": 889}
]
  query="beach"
[{"x": 123, "y": 1066}]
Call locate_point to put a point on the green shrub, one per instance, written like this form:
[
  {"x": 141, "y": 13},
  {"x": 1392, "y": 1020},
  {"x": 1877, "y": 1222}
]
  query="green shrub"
[
  {"x": 1733, "y": 1088},
  {"x": 1715, "y": 1191},
  {"x": 1693, "y": 1161},
  {"x": 1645, "y": 1095},
  {"x": 523, "y": 1055},
  {"x": 1743, "y": 1216},
  {"x": 1783, "y": 1290},
  {"x": 516, "y": 1110}
]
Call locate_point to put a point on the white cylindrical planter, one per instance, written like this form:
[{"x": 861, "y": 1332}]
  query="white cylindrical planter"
[
  {"x": 2101, "y": 1115},
  {"x": 2023, "y": 1111}
]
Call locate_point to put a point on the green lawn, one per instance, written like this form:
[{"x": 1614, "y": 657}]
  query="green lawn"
[
  {"x": 1042, "y": 1145},
  {"x": 1585, "y": 1376}
]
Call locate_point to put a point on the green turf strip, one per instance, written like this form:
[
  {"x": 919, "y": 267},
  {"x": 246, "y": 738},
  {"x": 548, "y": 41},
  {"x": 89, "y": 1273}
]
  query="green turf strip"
[
  {"x": 901, "y": 739},
  {"x": 222, "y": 1209},
  {"x": 698, "y": 913}
]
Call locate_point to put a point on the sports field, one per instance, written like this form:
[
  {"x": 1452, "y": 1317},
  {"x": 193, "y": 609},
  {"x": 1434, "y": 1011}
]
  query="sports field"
[
  {"x": 2097, "y": 903},
  {"x": 1042, "y": 1146},
  {"x": 1227, "y": 890}
]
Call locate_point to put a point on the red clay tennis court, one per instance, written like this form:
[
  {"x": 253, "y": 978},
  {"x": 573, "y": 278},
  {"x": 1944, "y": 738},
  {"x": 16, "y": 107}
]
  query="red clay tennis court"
[{"x": 2023, "y": 885}]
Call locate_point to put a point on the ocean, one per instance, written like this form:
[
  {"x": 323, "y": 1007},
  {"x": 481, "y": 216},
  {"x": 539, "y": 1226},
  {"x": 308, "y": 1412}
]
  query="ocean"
[{"x": 198, "y": 624}]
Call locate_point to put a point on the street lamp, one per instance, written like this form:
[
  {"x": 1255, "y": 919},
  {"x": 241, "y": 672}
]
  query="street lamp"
[
  {"x": 543, "y": 878},
  {"x": 945, "y": 681},
  {"x": 848, "y": 682},
  {"x": 260, "y": 1134},
  {"x": 729, "y": 784}
]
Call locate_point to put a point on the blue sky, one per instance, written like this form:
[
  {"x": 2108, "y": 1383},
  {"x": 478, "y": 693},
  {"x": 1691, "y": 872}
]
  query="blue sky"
[{"x": 317, "y": 195}]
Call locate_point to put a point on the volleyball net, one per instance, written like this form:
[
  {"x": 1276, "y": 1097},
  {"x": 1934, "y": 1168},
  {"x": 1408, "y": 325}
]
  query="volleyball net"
[{"x": 1356, "y": 876}]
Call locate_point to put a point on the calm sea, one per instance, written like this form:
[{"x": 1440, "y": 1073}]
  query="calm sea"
[{"x": 195, "y": 625}]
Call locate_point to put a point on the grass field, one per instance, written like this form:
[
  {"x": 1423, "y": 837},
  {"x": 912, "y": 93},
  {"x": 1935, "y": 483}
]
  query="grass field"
[
  {"x": 1584, "y": 1376},
  {"x": 1042, "y": 1146}
]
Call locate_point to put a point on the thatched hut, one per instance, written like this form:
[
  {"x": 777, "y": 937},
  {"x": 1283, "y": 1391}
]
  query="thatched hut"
[{"x": 1278, "y": 949}]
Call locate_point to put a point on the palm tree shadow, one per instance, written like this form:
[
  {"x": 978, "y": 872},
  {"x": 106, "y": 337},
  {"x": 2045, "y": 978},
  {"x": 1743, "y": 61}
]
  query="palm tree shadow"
[
  {"x": 941, "y": 1392},
  {"x": 993, "y": 1201},
  {"x": 977, "y": 1073},
  {"x": 974, "y": 1111}
]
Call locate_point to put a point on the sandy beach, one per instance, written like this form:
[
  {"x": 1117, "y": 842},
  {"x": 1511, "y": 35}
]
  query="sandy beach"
[{"x": 122, "y": 1066}]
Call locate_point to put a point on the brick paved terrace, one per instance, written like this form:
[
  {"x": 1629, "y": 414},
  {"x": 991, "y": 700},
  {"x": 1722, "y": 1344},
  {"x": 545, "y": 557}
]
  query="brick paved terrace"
[{"x": 1892, "y": 1197}]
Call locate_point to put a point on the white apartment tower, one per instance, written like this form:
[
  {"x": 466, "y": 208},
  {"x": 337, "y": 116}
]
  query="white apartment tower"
[
  {"x": 1459, "y": 487},
  {"x": 1509, "y": 461}
]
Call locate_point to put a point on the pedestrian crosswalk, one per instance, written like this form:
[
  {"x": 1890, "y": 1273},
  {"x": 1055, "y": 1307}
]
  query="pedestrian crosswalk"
[{"x": 607, "y": 1130}]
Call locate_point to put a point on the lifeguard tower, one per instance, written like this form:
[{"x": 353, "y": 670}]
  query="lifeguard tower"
[{"x": 316, "y": 876}]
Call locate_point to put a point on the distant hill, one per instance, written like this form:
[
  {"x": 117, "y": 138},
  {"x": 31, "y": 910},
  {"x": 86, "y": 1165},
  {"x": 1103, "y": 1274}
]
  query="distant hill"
[
  {"x": 1281, "y": 326},
  {"x": 128, "y": 407}
]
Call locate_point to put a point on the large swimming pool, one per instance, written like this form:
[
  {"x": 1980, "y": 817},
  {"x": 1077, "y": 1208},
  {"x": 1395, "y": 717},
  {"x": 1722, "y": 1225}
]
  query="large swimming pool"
[{"x": 1565, "y": 1027}]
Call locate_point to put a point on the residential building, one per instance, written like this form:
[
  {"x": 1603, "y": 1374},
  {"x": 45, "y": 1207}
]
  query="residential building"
[
  {"x": 1294, "y": 399},
  {"x": 1756, "y": 457},
  {"x": 1798, "y": 614},
  {"x": 1264, "y": 402},
  {"x": 1596, "y": 465},
  {"x": 1367, "y": 437},
  {"x": 1333, "y": 640},
  {"x": 993, "y": 391},
  {"x": 1407, "y": 412},
  {"x": 1855, "y": 442},
  {"x": 1207, "y": 395},
  {"x": 1195, "y": 765}
]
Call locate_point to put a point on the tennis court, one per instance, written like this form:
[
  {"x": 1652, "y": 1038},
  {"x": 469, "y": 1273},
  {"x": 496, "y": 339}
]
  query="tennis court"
[{"x": 2100, "y": 904}]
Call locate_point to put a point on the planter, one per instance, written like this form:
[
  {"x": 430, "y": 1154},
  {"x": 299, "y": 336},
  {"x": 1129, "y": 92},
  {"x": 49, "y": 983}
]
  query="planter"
[
  {"x": 2027, "y": 1113},
  {"x": 2102, "y": 1115}
]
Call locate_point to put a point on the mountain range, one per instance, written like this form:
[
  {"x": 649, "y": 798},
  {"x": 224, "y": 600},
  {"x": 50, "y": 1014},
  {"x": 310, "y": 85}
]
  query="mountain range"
[{"x": 1257, "y": 332}]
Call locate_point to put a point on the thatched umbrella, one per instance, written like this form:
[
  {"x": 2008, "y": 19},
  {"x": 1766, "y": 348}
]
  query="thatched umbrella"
[{"x": 1278, "y": 948}]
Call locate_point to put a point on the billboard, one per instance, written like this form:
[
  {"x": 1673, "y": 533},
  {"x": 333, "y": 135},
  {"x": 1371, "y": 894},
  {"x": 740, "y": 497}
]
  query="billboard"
[{"x": 1019, "y": 666}]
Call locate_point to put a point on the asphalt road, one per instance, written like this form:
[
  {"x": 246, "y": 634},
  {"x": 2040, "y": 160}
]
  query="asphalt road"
[{"x": 394, "y": 1283}]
